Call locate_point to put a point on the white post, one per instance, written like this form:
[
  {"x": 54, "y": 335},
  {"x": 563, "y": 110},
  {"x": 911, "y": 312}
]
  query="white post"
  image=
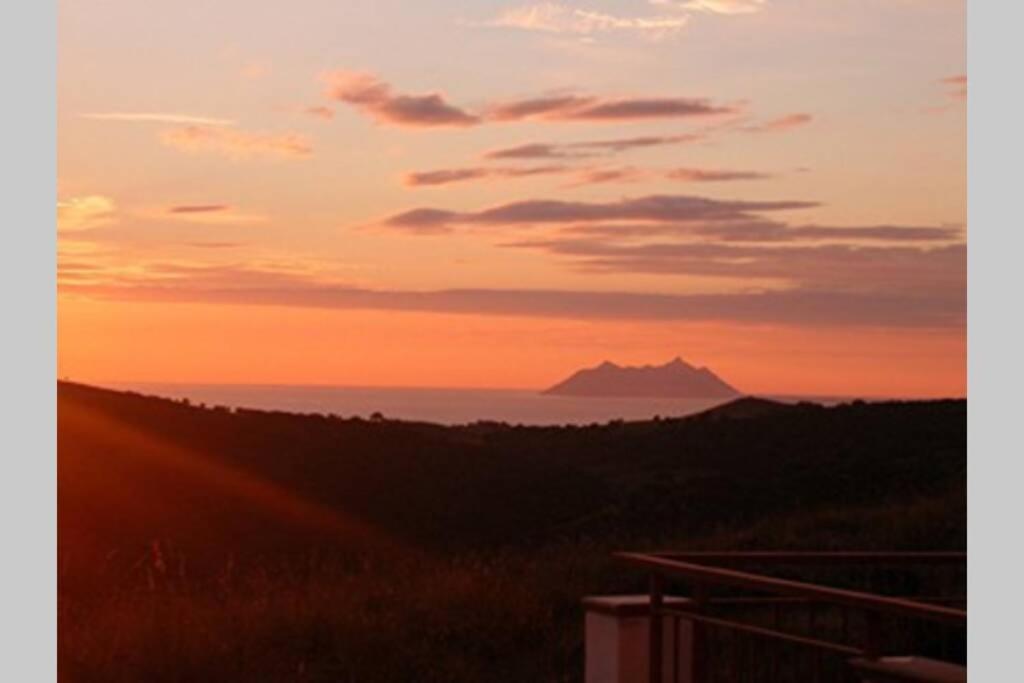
[{"x": 616, "y": 632}]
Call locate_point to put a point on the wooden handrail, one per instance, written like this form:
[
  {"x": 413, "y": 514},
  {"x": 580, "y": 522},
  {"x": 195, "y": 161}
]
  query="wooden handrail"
[
  {"x": 775, "y": 634},
  {"x": 721, "y": 576},
  {"x": 815, "y": 558}
]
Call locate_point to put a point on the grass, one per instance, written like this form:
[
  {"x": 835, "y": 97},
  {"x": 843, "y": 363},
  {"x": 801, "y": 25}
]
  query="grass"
[{"x": 500, "y": 615}]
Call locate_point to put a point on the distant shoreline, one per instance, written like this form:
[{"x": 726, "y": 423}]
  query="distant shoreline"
[
  {"x": 446, "y": 406},
  {"x": 120, "y": 385}
]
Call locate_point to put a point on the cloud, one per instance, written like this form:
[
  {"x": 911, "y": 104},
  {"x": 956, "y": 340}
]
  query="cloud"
[
  {"x": 825, "y": 267},
  {"x": 762, "y": 231},
  {"x": 715, "y": 6},
  {"x": 557, "y": 18},
  {"x": 198, "y": 208},
  {"x": 623, "y": 174},
  {"x": 783, "y": 123},
  {"x": 257, "y": 286},
  {"x": 767, "y": 231},
  {"x": 529, "y": 151},
  {"x": 320, "y": 112},
  {"x": 216, "y": 245},
  {"x": 630, "y": 174},
  {"x": 84, "y": 213},
  {"x": 537, "y": 107},
  {"x": 711, "y": 175},
  {"x": 455, "y": 175},
  {"x": 589, "y": 148},
  {"x": 956, "y": 87},
  {"x": 581, "y": 176},
  {"x": 624, "y": 144},
  {"x": 376, "y": 99},
  {"x": 212, "y": 214},
  {"x": 236, "y": 144},
  {"x": 660, "y": 208},
  {"x": 577, "y": 108},
  {"x": 174, "y": 119},
  {"x": 955, "y": 95},
  {"x": 800, "y": 268}
]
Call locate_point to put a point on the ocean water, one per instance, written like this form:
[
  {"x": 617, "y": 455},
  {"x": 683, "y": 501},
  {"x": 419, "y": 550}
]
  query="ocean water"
[{"x": 444, "y": 406}]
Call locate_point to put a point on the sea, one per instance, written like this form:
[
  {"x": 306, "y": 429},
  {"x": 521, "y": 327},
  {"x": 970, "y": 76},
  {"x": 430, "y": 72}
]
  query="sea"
[{"x": 442, "y": 406}]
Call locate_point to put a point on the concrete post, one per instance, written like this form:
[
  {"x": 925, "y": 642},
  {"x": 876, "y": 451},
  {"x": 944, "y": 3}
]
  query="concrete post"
[{"x": 616, "y": 640}]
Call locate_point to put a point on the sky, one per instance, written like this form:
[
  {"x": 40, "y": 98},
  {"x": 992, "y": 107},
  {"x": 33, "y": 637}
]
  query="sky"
[{"x": 495, "y": 193}]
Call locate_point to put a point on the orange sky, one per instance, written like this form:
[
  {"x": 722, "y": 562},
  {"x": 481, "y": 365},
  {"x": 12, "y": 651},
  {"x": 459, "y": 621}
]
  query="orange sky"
[{"x": 494, "y": 194}]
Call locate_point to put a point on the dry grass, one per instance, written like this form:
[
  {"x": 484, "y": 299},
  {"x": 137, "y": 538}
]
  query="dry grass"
[{"x": 508, "y": 615}]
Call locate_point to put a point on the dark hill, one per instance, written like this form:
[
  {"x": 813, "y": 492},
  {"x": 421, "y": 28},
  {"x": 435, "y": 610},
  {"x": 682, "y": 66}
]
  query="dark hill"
[
  {"x": 132, "y": 469},
  {"x": 747, "y": 407}
]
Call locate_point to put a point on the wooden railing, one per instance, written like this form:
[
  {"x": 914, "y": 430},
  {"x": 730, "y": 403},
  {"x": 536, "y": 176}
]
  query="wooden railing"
[{"x": 750, "y": 626}]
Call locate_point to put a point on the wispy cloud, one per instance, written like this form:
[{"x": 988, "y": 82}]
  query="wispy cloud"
[
  {"x": 586, "y": 108},
  {"x": 713, "y": 175},
  {"x": 660, "y": 208},
  {"x": 237, "y": 144},
  {"x": 956, "y": 86},
  {"x": 621, "y": 174},
  {"x": 780, "y": 124},
  {"x": 589, "y": 148},
  {"x": 552, "y": 17},
  {"x": 151, "y": 117},
  {"x": 955, "y": 94},
  {"x": 320, "y": 112},
  {"x": 447, "y": 176},
  {"x": 378, "y": 100},
  {"x": 824, "y": 267},
  {"x": 252, "y": 285},
  {"x": 216, "y": 245},
  {"x": 764, "y": 231},
  {"x": 715, "y": 6},
  {"x": 213, "y": 214},
  {"x": 578, "y": 176},
  {"x": 84, "y": 213},
  {"x": 199, "y": 208}
]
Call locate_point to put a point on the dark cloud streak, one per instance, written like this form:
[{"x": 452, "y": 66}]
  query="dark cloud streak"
[
  {"x": 236, "y": 286},
  {"x": 589, "y": 148},
  {"x": 380, "y": 101},
  {"x": 661, "y": 208},
  {"x": 199, "y": 208}
]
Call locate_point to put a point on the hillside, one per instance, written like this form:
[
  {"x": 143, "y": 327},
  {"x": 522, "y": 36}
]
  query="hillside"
[
  {"x": 200, "y": 544},
  {"x": 134, "y": 468}
]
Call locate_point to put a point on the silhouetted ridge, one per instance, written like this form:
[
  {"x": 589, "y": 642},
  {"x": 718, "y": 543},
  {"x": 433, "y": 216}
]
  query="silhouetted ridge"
[
  {"x": 215, "y": 481},
  {"x": 748, "y": 407}
]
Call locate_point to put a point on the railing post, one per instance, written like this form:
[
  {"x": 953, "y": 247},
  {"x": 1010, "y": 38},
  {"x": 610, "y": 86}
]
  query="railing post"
[
  {"x": 654, "y": 645},
  {"x": 617, "y": 633},
  {"x": 698, "y": 651},
  {"x": 873, "y": 637}
]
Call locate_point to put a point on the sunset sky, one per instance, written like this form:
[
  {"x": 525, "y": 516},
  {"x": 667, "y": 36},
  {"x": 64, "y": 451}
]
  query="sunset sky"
[{"x": 495, "y": 193}]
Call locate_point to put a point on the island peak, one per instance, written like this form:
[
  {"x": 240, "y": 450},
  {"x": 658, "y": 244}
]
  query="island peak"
[{"x": 675, "y": 379}]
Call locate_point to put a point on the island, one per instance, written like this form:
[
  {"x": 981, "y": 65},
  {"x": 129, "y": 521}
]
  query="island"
[{"x": 675, "y": 379}]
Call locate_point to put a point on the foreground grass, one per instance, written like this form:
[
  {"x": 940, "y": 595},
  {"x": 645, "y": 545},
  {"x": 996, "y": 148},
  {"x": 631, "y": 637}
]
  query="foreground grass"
[{"x": 504, "y": 615}]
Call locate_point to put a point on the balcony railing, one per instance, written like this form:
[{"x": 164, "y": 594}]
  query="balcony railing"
[{"x": 805, "y": 616}]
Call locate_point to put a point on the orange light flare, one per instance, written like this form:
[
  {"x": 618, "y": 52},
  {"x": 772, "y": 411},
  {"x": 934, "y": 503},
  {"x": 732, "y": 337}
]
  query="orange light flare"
[{"x": 116, "y": 480}]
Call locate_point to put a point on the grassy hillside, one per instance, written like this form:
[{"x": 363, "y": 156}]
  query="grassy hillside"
[{"x": 200, "y": 543}]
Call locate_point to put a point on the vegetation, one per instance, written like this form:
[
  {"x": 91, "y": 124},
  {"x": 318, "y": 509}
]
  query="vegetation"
[{"x": 203, "y": 544}]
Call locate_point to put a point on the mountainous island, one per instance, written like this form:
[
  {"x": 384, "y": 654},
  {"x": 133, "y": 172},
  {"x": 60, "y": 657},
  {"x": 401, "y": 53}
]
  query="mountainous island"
[{"x": 675, "y": 379}]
